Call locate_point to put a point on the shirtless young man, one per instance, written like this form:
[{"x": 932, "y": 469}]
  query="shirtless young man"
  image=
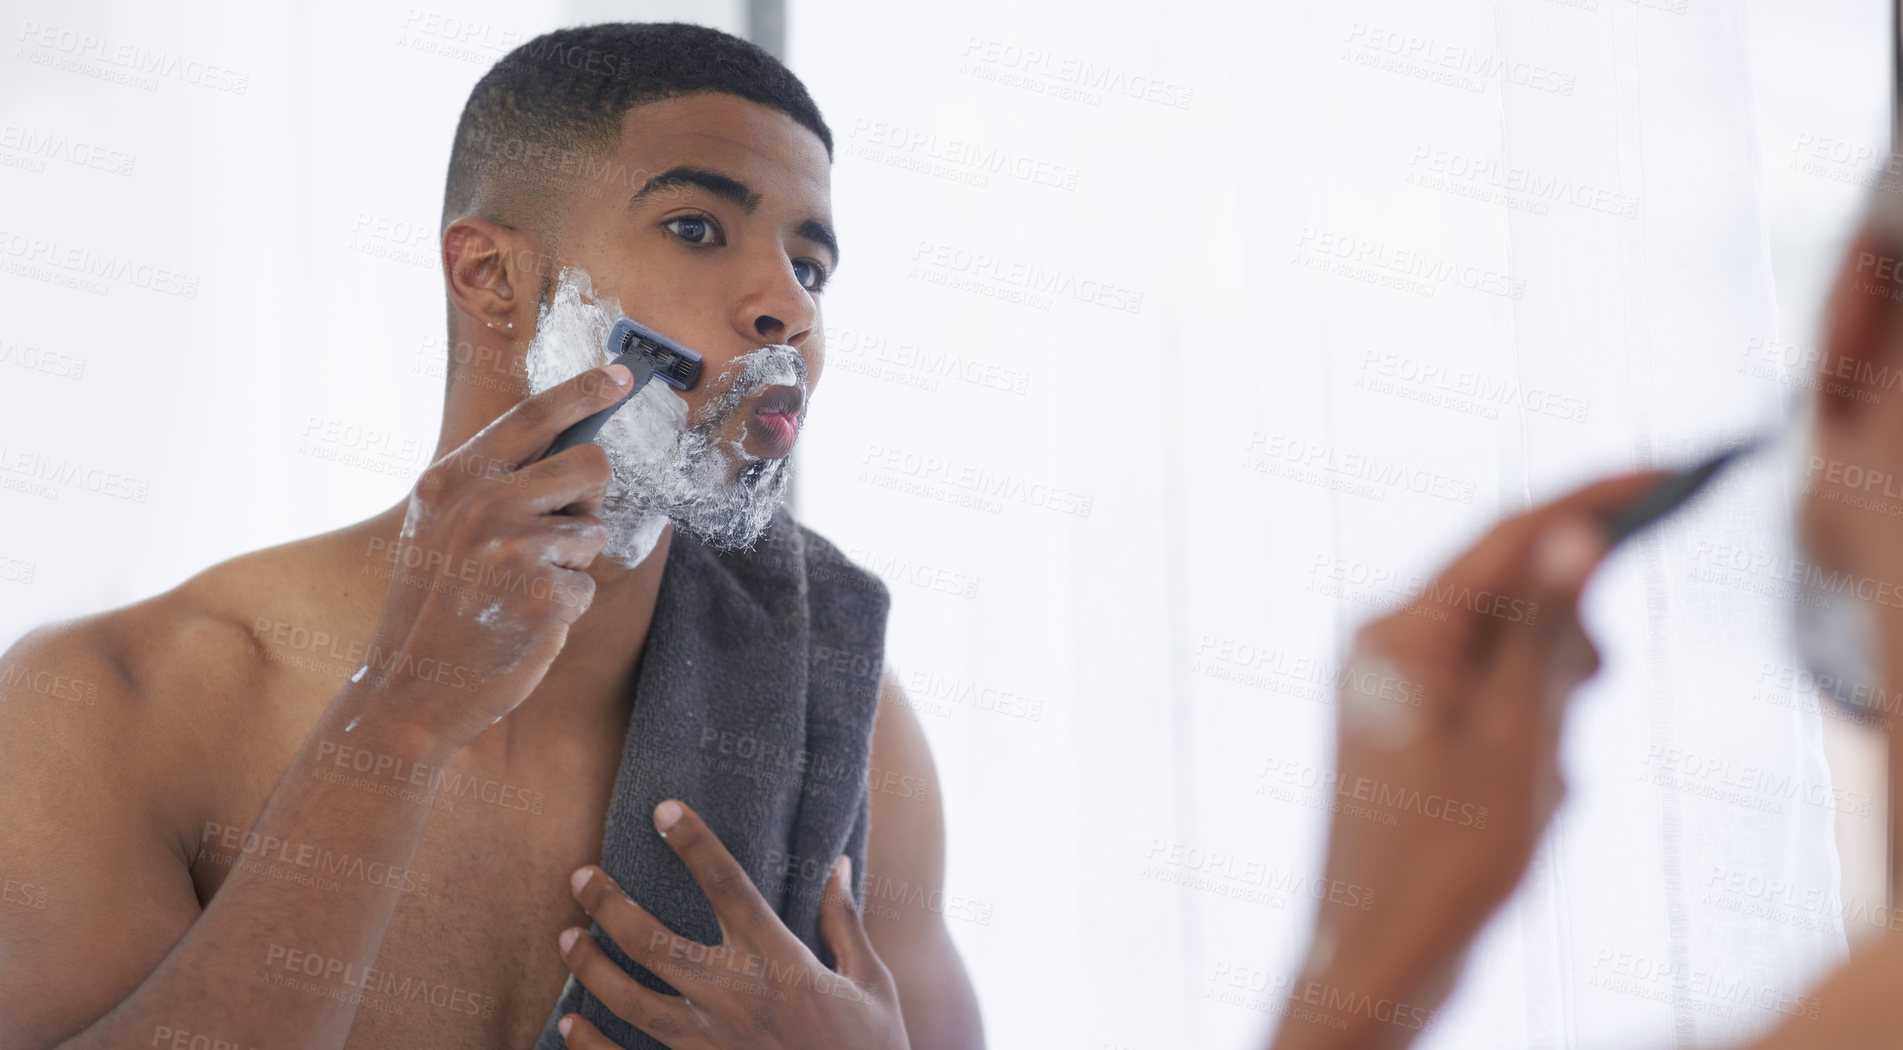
[{"x": 149, "y": 921}]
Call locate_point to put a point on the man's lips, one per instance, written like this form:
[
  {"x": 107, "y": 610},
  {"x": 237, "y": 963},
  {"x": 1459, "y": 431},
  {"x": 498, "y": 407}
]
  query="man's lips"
[{"x": 776, "y": 420}]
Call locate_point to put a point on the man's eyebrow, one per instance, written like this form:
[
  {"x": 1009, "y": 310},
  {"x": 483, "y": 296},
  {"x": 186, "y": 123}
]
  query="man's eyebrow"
[
  {"x": 727, "y": 187},
  {"x": 819, "y": 233},
  {"x": 724, "y": 186}
]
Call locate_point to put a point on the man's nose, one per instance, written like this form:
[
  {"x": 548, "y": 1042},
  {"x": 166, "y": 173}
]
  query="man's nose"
[{"x": 777, "y": 309}]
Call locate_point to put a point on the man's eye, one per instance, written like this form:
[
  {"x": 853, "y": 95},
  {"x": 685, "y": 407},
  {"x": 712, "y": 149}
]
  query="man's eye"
[
  {"x": 811, "y": 276},
  {"x": 692, "y": 228}
]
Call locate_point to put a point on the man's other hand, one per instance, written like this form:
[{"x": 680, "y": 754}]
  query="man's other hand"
[{"x": 760, "y": 988}]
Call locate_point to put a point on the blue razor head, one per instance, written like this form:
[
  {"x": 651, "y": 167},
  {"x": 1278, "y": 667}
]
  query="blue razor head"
[{"x": 675, "y": 364}]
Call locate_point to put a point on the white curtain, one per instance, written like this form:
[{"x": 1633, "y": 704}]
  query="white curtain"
[{"x": 1174, "y": 340}]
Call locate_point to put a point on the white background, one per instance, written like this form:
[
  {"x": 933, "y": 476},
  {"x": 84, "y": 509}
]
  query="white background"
[{"x": 1168, "y": 639}]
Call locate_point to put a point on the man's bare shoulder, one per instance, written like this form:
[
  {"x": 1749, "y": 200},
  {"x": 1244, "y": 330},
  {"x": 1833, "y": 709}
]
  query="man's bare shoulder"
[
  {"x": 199, "y": 631},
  {"x": 169, "y": 679},
  {"x": 122, "y": 733}
]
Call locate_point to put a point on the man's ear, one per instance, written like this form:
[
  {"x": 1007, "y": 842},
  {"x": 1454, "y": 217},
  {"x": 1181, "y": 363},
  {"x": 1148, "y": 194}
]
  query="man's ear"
[
  {"x": 1861, "y": 333},
  {"x": 487, "y": 267}
]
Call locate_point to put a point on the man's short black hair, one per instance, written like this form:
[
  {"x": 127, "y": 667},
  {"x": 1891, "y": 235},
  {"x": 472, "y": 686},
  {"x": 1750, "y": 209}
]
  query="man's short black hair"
[{"x": 539, "y": 123}]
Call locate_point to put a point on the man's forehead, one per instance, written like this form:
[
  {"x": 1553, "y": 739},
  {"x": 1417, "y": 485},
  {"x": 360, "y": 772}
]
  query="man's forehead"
[{"x": 775, "y": 155}]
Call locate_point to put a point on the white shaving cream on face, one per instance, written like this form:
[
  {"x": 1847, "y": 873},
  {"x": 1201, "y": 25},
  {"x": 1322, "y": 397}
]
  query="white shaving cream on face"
[{"x": 666, "y": 466}]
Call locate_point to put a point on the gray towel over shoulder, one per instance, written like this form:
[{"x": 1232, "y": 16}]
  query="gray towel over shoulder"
[{"x": 754, "y": 699}]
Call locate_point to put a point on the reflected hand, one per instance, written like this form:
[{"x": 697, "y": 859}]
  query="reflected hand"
[{"x": 1449, "y": 721}]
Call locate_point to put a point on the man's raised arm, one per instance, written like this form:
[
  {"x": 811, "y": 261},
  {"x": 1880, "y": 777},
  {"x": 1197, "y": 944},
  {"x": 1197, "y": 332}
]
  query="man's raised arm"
[{"x": 102, "y": 943}]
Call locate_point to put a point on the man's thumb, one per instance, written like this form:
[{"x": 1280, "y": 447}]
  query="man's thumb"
[{"x": 1564, "y": 555}]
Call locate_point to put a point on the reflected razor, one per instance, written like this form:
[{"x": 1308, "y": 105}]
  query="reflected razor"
[{"x": 1673, "y": 491}]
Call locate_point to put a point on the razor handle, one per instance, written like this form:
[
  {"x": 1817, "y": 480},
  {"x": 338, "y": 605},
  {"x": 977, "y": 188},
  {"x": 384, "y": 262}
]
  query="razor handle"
[{"x": 585, "y": 430}]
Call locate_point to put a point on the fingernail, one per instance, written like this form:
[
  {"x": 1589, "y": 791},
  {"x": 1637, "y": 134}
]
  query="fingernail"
[
  {"x": 568, "y": 939},
  {"x": 842, "y": 870},
  {"x": 578, "y": 880},
  {"x": 564, "y": 1025},
  {"x": 666, "y": 814},
  {"x": 617, "y": 374},
  {"x": 1566, "y": 553}
]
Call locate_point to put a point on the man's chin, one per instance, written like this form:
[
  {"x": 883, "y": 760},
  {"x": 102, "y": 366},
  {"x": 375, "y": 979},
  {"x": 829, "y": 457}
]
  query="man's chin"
[
  {"x": 733, "y": 523},
  {"x": 736, "y": 531}
]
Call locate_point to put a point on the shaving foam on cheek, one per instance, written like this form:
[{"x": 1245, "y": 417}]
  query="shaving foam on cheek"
[
  {"x": 571, "y": 334},
  {"x": 664, "y": 466}
]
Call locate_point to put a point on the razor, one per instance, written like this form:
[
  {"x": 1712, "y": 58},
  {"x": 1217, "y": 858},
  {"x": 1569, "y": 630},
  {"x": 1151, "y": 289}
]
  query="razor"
[
  {"x": 1674, "y": 491},
  {"x": 649, "y": 355}
]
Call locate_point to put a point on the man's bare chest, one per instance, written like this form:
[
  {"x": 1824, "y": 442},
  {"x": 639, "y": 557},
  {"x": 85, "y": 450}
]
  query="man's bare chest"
[{"x": 469, "y": 957}]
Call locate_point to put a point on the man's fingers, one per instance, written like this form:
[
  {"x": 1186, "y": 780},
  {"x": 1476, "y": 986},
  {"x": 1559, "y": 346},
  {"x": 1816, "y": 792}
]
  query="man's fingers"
[
  {"x": 522, "y": 432},
  {"x": 1606, "y": 497},
  {"x": 1493, "y": 583},
  {"x": 1566, "y": 550},
  {"x": 573, "y": 541},
  {"x": 663, "y": 1016},
  {"x": 841, "y": 928},
  {"x": 1522, "y": 708},
  {"x": 644, "y": 938},
  {"x": 737, "y": 903},
  {"x": 581, "y": 1034},
  {"x": 1497, "y": 560},
  {"x": 574, "y": 477},
  {"x": 667, "y": 1018},
  {"x": 1536, "y": 665}
]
